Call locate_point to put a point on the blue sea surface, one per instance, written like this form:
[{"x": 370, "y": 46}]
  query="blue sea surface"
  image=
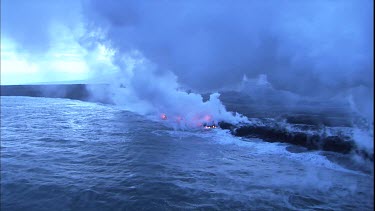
[{"x": 60, "y": 154}]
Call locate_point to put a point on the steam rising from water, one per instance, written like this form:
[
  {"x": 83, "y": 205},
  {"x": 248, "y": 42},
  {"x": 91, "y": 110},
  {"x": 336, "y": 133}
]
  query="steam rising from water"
[{"x": 146, "y": 90}]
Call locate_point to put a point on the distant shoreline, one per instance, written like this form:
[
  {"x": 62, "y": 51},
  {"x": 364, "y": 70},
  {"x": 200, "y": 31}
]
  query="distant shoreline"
[
  {"x": 70, "y": 91},
  {"x": 309, "y": 113}
]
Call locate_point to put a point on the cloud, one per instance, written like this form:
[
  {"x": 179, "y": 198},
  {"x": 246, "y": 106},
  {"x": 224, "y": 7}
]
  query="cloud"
[
  {"x": 41, "y": 41},
  {"x": 30, "y": 23},
  {"x": 310, "y": 48}
]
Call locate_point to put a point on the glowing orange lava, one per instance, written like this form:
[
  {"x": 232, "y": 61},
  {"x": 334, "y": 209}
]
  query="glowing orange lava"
[
  {"x": 163, "y": 117},
  {"x": 205, "y": 121}
]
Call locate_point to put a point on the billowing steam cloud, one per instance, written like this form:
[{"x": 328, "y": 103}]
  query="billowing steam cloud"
[
  {"x": 320, "y": 49},
  {"x": 311, "y": 48},
  {"x": 325, "y": 43},
  {"x": 151, "y": 92}
]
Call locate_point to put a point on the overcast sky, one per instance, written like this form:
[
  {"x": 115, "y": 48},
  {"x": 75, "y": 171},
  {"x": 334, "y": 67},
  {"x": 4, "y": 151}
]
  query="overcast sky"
[
  {"x": 41, "y": 43},
  {"x": 307, "y": 47}
]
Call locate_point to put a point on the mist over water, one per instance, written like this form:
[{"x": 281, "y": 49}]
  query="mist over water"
[{"x": 146, "y": 91}]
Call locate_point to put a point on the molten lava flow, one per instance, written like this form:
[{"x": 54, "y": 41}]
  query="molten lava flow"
[
  {"x": 163, "y": 117},
  {"x": 205, "y": 121},
  {"x": 210, "y": 127}
]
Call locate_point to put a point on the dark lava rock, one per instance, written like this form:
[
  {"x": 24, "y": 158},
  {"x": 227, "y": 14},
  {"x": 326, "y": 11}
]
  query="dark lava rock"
[
  {"x": 244, "y": 131},
  {"x": 337, "y": 144},
  {"x": 226, "y": 126},
  {"x": 272, "y": 134},
  {"x": 298, "y": 138},
  {"x": 311, "y": 142},
  {"x": 269, "y": 133}
]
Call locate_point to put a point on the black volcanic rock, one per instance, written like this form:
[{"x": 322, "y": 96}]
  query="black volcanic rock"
[
  {"x": 310, "y": 141},
  {"x": 337, "y": 144},
  {"x": 268, "y": 133},
  {"x": 226, "y": 126},
  {"x": 299, "y": 138},
  {"x": 313, "y": 142}
]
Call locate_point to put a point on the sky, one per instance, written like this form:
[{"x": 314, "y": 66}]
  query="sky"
[
  {"x": 320, "y": 49},
  {"x": 40, "y": 43}
]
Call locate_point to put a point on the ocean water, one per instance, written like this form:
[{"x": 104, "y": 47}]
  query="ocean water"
[{"x": 60, "y": 154}]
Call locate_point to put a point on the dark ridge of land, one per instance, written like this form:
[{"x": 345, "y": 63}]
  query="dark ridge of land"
[
  {"x": 334, "y": 143},
  {"x": 70, "y": 91}
]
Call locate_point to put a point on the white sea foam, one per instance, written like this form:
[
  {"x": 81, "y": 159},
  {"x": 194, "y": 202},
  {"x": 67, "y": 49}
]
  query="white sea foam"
[{"x": 259, "y": 147}]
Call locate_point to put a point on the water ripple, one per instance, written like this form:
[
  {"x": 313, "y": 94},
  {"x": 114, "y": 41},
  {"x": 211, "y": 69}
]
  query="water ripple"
[{"x": 59, "y": 154}]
